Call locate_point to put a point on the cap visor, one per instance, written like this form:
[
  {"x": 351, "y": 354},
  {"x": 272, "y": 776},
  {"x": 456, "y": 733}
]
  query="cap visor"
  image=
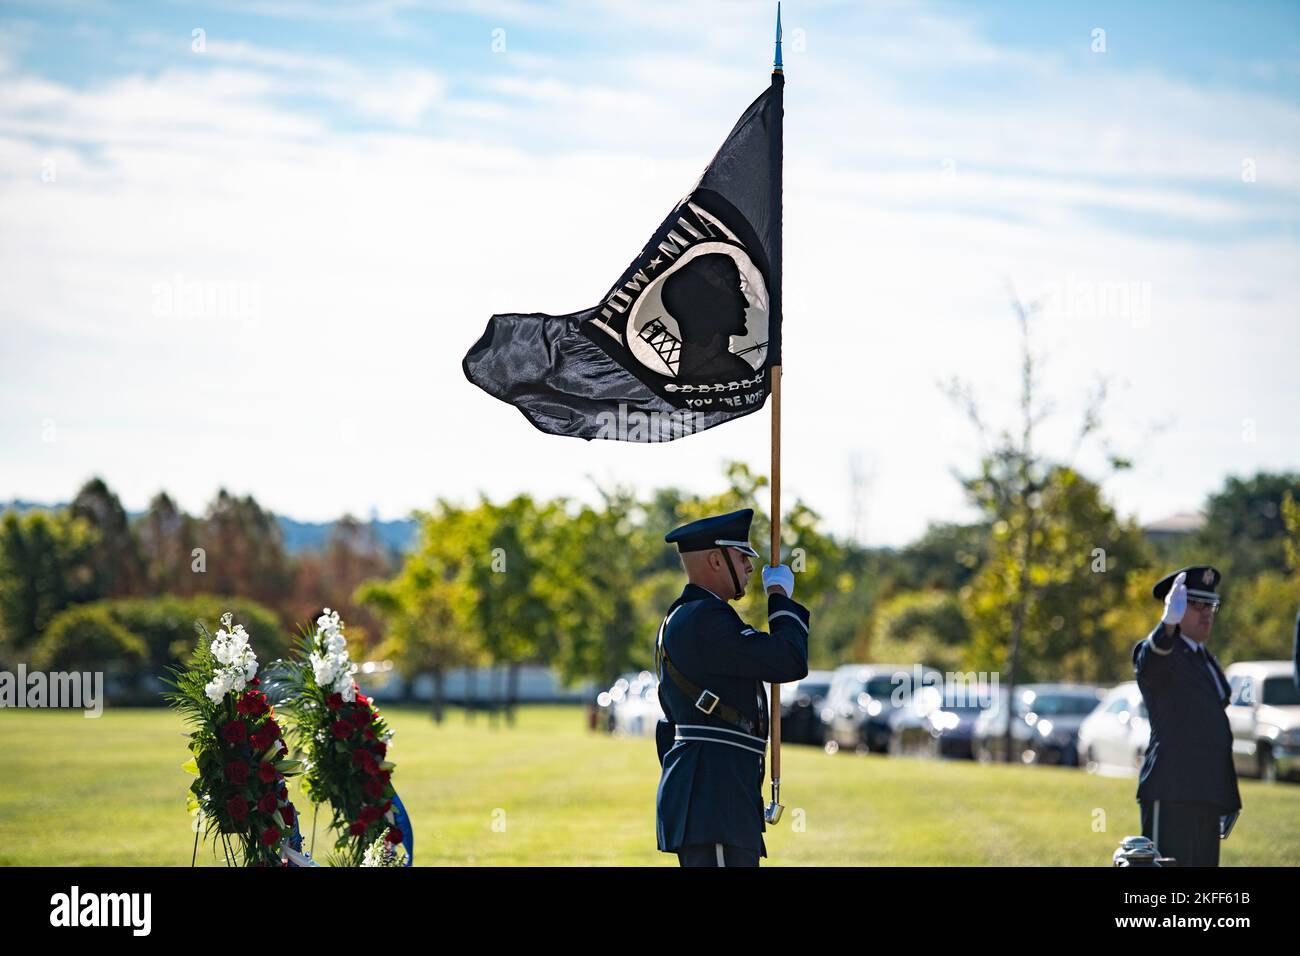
[{"x": 741, "y": 546}]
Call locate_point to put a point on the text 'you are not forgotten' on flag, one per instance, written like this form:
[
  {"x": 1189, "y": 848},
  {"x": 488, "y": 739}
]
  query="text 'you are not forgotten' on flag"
[{"x": 687, "y": 336}]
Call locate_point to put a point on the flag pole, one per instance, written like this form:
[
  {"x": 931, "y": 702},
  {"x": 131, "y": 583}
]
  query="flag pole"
[{"x": 773, "y": 812}]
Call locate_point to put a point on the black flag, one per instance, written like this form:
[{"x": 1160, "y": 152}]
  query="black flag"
[{"x": 685, "y": 339}]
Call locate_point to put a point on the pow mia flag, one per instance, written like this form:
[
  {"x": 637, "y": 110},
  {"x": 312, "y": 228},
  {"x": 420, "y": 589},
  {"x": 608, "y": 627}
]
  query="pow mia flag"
[{"x": 685, "y": 339}]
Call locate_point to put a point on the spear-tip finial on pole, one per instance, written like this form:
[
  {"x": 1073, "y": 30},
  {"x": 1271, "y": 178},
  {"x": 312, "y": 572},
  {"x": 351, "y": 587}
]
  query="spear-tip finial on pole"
[{"x": 776, "y": 65}]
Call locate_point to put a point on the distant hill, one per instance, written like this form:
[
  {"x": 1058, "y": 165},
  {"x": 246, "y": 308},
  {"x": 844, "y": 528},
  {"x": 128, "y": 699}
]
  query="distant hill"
[
  {"x": 298, "y": 535},
  {"x": 310, "y": 535}
]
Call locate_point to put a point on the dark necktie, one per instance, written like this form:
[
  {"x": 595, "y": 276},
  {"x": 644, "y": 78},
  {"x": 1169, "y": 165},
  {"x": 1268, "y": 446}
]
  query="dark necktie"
[{"x": 1204, "y": 658}]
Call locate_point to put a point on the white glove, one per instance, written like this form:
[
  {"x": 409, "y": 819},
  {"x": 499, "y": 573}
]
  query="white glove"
[
  {"x": 781, "y": 576},
  {"x": 1176, "y": 601}
]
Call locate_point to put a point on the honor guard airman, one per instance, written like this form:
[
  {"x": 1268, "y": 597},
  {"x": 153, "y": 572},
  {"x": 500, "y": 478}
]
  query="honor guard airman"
[
  {"x": 1188, "y": 786},
  {"x": 1295, "y": 652},
  {"x": 711, "y": 667}
]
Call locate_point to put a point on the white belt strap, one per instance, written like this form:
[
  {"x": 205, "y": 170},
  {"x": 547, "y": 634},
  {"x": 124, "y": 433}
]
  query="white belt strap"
[
  {"x": 706, "y": 734},
  {"x": 761, "y": 741}
]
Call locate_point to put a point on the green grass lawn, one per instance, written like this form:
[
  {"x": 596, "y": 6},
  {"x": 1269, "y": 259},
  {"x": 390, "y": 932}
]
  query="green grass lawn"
[{"x": 548, "y": 792}]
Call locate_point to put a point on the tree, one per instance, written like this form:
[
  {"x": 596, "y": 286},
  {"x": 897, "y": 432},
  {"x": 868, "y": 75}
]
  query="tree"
[
  {"x": 1245, "y": 533},
  {"x": 1257, "y": 618},
  {"x": 944, "y": 558},
  {"x": 1016, "y": 488},
  {"x": 1080, "y": 560},
  {"x": 511, "y": 618},
  {"x": 427, "y": 606},
  {"x": 118, "y": 569},
  {"x": 470, "y": 592},
  {"x": 1291, "y": 520},
  {"x": 87, "y": 637},
  {"x": 351, "y": 556},
  {"x": 844, "y": 608},
  {"x": 244, "y": 552},
  {"x": 167, "y": 538},
  {"x": 1258, "y": 622},
  {"x": 46, "y": 564},
  {"x": 582, "y": 588},
  {"x": 604, "y": 578},
  {"x": 929, "y": 627}
]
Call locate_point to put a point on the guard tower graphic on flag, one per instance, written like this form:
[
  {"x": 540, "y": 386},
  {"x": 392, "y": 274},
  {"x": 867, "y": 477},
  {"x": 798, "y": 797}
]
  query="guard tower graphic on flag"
[{"x": 666, "y": 345}]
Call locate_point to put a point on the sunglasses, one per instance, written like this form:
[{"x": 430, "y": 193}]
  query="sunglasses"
[{"x": 1203, "y": 606}]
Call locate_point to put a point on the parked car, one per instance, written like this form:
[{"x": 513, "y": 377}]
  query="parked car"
[
  {"x": 1113, "y": 739},
  {"x": 636, "y": 710},
  {"x": 1264, "y": 714},
  {"x": 941, "y": 723},
  {"x": 909, "y": 726},
  {"x": 1045, "y": 725},
  {"x": 801, "y": 707},
  {"x": 861, "y": 700},
  {"x": 607, "y": 699}
]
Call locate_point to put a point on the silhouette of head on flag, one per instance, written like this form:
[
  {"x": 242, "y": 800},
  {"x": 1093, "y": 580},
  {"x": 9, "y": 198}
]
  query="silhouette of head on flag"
[{"x": 705, "y": 297}]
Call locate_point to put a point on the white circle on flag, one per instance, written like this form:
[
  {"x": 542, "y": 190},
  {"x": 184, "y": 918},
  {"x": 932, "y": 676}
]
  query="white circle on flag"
[{"x": 654, "y": 334}]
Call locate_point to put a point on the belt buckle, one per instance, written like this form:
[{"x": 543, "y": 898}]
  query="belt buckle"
[{"x": 712, "y": 698}]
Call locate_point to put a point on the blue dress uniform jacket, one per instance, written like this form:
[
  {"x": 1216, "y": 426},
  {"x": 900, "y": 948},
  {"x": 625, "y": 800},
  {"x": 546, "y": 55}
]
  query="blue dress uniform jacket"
[
  {"x": 1295, "y": 651},
  {"x": 1189, "y": 757},
  {"x": 710, "y": 790}
]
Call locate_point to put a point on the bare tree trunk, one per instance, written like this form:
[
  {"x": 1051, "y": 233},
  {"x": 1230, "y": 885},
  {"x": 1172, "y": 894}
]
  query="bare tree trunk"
[
  {"x": 512, "y": 692},
  {"x": 1013, "y": 663},
  {"x": 439, "y": 699},
  {"x": 1017, "y": 628}
]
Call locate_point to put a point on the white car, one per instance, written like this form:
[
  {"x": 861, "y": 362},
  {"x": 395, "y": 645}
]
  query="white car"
[
  {"x": 1264, "y": 713},
  {"x": 1113, "y": 739}
]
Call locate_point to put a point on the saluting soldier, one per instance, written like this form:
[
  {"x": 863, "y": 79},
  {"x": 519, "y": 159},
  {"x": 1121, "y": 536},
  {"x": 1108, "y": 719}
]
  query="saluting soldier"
[
  {"x": 1188, "y": 784},
  {"x": 711, "y": 667}
]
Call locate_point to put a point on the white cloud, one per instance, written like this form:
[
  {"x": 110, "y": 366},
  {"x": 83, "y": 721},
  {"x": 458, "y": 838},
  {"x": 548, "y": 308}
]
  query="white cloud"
[
  {"x": 339, "y": 276},
  {"x": 401, "y": 96}
]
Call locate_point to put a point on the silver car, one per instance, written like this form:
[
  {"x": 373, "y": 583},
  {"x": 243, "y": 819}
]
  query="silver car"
[
  {"x": 1264, "y": 713},
  {"x": 1113, "y": 739}
]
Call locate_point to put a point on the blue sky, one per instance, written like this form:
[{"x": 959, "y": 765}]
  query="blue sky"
[{"x": 257, "y": 264}]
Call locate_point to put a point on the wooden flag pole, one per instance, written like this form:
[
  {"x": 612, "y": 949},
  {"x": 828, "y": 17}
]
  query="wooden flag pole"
[{"x": 774, "y": 809}]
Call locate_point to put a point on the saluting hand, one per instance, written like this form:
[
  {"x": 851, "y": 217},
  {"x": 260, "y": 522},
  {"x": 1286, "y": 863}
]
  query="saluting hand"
[
  {"x": 780, "y": 578},
  {"x": 1176, "y": 601}
]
